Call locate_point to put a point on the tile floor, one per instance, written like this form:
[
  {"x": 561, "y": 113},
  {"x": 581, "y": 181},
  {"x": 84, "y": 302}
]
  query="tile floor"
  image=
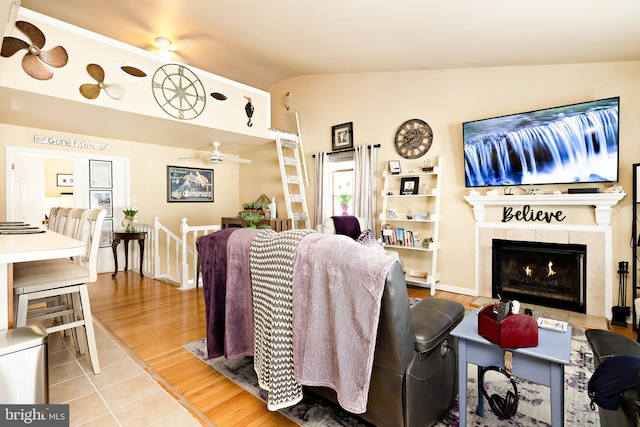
[{"x": 123, "y": 394}]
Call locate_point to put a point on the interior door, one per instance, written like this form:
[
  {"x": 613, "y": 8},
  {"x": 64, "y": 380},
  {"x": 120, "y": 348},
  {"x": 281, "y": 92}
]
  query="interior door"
[{"x": 26, "y": 199}]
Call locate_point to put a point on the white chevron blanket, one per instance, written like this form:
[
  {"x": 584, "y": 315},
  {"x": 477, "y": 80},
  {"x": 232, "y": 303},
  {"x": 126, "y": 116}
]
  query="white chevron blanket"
[{"x": 271, "y": 262}]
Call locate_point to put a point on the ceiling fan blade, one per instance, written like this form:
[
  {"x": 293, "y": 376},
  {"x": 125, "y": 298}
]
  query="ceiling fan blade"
[
  {"x": 236, "y": 160},
  {"x": 11, "y": 45},
  {"x": 90, "y": 91},
  {"x": 56, "y": 57},
  {"x": 96, "y": 72},
  {"x": 193, "y": 158},
  {"x": 32, "y": 66},
  {"x": 35, "y": 35},
  {"x": 115, "y": 91}
]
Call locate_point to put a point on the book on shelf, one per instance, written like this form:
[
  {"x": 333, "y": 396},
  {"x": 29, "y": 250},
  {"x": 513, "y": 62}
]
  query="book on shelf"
[
  {"x": 400, "y": 236},
  {"x": 552, "y": 324}
]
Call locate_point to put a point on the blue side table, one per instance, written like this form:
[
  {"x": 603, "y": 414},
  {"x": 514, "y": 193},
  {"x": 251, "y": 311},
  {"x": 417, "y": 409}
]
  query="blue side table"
[{"x": 543, "y": 364}]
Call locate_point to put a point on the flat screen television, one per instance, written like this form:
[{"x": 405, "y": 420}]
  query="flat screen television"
[{"x": 571, "y": 144}]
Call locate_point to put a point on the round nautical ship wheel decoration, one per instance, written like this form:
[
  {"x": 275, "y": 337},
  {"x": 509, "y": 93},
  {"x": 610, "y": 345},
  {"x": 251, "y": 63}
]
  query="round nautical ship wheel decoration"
[
  {"x": 413, "y": 139},
  {"x": 178, "y": 91}
]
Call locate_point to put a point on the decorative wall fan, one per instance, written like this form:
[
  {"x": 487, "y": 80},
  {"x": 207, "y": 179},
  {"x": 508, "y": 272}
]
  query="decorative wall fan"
[
  {"x": 56, "y": 57},
  {"x": 91, "y": 91},
  {"x": 217, "y": 157}
]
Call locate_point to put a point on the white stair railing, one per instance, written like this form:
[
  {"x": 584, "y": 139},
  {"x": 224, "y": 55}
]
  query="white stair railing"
[
  {"x": 190, "y": 236},
  {"x": 177, "y": 260},
  {"x": 148, "y": 261}
]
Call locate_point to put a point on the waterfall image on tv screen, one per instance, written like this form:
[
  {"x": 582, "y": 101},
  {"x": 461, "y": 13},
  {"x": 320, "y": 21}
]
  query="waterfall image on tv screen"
[{"x": 570, "y": 144}]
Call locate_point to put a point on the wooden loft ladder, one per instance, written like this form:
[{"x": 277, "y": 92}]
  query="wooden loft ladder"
[{"x": 290, "y": 153}]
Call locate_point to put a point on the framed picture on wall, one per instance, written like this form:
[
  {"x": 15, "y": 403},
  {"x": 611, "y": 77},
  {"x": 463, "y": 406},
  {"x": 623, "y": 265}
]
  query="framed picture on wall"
[
  {"x": 100, "y": 174},
  {"x": 342, "y": 136},
  {"x": 189, "y": 184},
  {"x": 101, "y": 199},
  {"x": 64, "y": 179}
]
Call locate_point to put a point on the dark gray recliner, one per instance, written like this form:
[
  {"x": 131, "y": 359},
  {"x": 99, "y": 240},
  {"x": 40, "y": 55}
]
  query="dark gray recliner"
[
  {"x": 607, "y": 344},
  {"x": 414, "y": 377}
]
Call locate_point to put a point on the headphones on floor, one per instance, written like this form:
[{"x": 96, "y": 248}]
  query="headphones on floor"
[{"x": 503, "y": 407}]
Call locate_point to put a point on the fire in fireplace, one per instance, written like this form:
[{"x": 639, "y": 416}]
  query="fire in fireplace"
[{"x": 548, "y": 274}]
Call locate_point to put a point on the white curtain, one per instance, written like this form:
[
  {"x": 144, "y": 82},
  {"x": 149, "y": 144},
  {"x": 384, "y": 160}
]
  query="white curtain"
[
  {"x": 365, "y": 191},
  {"x": 322, "y": 192}
]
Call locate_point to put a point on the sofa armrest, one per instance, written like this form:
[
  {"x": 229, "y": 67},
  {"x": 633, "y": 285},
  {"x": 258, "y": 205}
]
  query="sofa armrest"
[
  {"x": 606, "y": 343},
  {"x": 433, "y": 319}
]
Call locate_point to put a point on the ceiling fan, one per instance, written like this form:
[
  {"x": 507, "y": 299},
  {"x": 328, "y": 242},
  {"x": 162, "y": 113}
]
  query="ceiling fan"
[{"x": 217, "y": 157}]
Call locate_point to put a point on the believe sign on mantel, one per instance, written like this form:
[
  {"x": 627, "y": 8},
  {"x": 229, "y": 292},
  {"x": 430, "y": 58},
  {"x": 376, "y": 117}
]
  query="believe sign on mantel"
[{"x": 531, "y": 215}]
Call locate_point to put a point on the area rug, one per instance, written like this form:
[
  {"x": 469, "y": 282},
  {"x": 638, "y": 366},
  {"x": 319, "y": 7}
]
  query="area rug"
[{"x": 533, "y": 407}]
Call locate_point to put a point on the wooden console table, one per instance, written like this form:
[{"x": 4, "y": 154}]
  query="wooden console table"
[
  {"x": 127, "y": 237},
  {"x": 276, "y": 224}
]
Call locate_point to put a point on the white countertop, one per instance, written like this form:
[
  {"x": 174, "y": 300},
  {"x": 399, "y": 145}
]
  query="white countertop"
[{"x": 30, "y": 247}]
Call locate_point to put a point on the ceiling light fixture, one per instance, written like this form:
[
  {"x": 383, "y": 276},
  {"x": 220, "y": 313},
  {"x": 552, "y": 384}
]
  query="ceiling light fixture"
[{"x": 164, "y": 47}]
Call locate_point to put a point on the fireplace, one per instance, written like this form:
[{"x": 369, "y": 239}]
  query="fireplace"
[{"x": 541, "y": 273}]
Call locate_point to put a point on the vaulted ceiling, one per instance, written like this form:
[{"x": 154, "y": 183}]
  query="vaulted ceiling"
[{"x": 260, "y": 43}]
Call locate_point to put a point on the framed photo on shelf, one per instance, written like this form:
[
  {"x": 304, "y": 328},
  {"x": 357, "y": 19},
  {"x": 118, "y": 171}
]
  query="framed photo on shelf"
[
  {"x": 394, "y": 167},
  {"x": 342, "y": 136},
  {"x": 101, "y": 199},
  {"x": 100, "y": 174},
  {"x": 189, "y": 184},
  {"x": 409, "y": 185},
  {"x": 64, "y": 179},
  {"x": 393, "y": 214}
]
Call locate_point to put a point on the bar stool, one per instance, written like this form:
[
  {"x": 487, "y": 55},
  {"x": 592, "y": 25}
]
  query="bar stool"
[
  {"x": 53, "y": 218},
  {"x": 70, "y": 278},
  {"x": 61, "y": 222}
]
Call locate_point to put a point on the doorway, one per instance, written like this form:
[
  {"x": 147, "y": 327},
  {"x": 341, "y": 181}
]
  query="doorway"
[{"x": 26, "y": 188}]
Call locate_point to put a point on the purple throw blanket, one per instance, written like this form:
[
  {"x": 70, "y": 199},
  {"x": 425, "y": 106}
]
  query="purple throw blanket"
[
  {"x": 337, "y": 292},
  {"x": 239, "y": 302},
  {"x": 347, "y": 225},
  {"x": 212, "y": 253}
]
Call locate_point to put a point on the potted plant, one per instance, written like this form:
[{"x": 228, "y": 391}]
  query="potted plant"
[
  {"x": 344, "y": 199},
  {"x": 261, "y": 208},
  {"x": 129, "y": 215},
  {"x": 254, "y": 218}
]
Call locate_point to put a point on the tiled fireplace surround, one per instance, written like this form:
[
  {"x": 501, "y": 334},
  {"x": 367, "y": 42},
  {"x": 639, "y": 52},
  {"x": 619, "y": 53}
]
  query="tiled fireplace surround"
[{"x": 598, "y": 238}]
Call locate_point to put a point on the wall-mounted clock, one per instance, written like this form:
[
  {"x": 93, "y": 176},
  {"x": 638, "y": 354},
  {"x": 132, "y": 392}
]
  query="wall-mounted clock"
[
  {"x": 178, "y": 91},
  {"x": 413, "y": 139}
]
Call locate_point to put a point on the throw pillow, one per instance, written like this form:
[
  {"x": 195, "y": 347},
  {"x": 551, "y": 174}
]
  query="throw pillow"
[{"x": 367, "y": 238}]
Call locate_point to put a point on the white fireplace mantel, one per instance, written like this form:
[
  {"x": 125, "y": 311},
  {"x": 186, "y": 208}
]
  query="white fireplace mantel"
[{"x": 602, "y": 202}]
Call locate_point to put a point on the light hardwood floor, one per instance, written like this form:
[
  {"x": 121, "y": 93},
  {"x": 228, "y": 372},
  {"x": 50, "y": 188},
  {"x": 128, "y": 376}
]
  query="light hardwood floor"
[{"x": 155, "y": 320}]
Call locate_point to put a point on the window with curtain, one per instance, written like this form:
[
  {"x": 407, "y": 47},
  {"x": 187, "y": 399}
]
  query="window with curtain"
[
  {"x": 352, "y": 173},
  {"x": 342, "y": 186}
]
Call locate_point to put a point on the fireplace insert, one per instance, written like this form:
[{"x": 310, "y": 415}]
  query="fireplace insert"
[{"x": 548, "y": 274}]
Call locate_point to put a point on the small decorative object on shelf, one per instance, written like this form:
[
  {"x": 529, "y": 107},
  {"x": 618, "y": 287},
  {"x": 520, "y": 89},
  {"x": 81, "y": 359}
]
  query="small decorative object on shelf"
[
  {"x": 409, "y": 186},
  {"x": 426, "y": 242},
  {"x": 129, "y": 215},
  {"x": 394, "y": 167},
  {"x": 427, "y": 165}
]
